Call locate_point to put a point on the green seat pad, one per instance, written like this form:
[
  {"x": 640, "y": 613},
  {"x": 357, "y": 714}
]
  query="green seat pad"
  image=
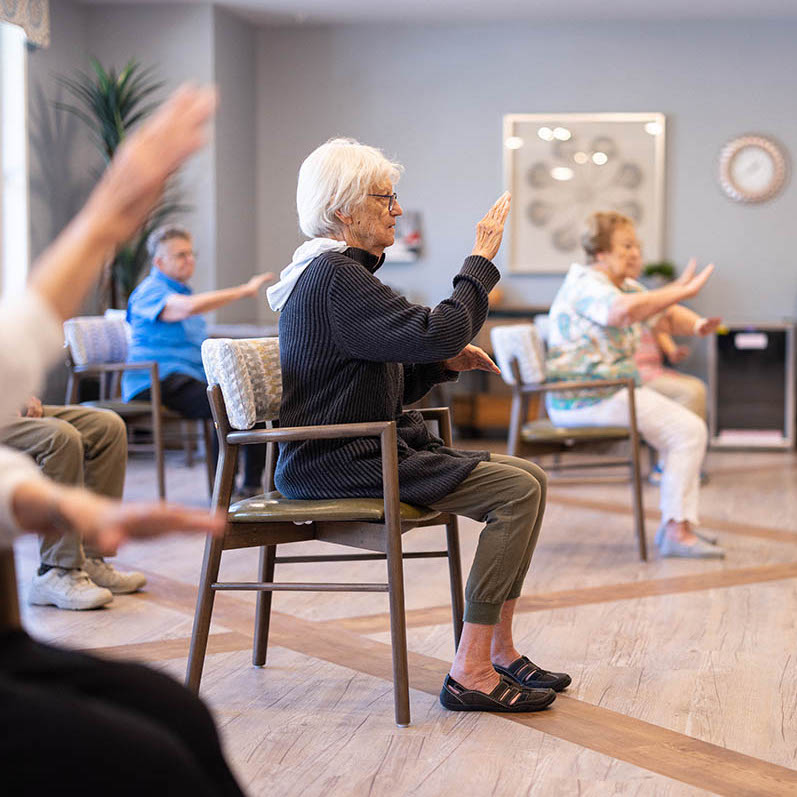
[
  {"x": 275, "y": 507},
  {"x": 543, "y": 431}
]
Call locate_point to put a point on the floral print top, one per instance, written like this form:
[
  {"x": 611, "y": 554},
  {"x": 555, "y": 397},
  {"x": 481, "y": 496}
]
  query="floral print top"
[{"x": 581, "y": 344}]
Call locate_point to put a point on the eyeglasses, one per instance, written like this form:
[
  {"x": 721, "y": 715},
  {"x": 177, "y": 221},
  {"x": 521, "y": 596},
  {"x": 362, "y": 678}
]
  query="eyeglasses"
[
  {"x": 391, "y": 199},
  {"x": 185, "y": 255}
]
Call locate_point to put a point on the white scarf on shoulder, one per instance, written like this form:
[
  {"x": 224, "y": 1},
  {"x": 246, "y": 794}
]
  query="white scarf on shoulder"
[{"x": 281, "y": 290}]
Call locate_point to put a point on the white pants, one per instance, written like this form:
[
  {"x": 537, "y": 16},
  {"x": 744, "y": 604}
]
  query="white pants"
[{"x": 677, "y": 434}]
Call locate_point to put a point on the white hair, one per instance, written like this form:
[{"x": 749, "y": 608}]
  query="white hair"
[
  {"x": 336, "y": 177},
  {"x": 165, "y": 233}
]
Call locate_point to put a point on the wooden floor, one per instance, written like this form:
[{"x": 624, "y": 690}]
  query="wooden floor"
[{"x": 684, "y": 672}]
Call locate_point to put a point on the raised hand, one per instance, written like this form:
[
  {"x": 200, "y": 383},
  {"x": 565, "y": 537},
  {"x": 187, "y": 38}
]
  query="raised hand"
[
  {"x": 135, "y": 178},
  {"x": 691, "y": 281},
  {"x": 707, "y": 326},
  {"x": 254, "y": 284},
  {"x": 490, "y": 230},
  {"x": 472, "y": 358},
  {"x": 33, "y": 408}
]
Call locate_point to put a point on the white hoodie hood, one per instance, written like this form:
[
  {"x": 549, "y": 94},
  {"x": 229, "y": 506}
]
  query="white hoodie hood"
[{"x": 280, "y": 291}]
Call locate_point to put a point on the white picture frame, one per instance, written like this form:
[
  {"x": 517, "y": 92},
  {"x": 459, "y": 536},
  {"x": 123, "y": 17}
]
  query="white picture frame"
[{"x": 562, "y": 167}]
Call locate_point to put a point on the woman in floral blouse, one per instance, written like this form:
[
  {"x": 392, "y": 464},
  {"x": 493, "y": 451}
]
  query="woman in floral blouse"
[{"x": 594, "y": 333}]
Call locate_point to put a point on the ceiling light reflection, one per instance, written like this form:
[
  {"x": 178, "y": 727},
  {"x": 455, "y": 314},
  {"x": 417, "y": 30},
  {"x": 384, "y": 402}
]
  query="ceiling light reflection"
[{"x": 562, "y": 173}]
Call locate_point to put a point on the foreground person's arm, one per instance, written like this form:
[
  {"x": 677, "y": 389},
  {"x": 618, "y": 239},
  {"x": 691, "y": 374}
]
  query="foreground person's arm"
[{"x": 39, "y": 505}]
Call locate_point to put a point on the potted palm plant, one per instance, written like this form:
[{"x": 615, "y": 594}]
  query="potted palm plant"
[{"x": 110, "y": 103}]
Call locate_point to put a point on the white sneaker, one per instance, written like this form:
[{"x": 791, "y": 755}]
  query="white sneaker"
[
  {"x": 67, "y": 589},
  {"x": 106, "y": 575}
]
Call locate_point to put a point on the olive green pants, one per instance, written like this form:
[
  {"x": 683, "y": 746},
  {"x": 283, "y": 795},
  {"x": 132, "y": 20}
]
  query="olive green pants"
[
  {"x": 79, "y": 446},
  {"x": 508, "y": 495}
]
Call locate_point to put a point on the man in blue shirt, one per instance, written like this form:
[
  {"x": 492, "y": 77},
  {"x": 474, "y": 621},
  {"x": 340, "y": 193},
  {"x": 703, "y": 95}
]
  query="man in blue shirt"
[{"x": 167, "y": 326}]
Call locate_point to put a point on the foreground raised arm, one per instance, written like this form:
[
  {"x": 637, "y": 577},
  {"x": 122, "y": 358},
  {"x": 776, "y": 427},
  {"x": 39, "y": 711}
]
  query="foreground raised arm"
[{"x": 120, "y": 202}]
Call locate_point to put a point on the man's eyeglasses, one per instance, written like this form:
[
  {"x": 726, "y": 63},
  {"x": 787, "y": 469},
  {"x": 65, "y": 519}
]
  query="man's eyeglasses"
[{"x": 391, "y": 200}]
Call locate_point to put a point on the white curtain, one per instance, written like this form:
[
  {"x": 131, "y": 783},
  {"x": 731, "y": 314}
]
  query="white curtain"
[{"x": 33, "y": 16}]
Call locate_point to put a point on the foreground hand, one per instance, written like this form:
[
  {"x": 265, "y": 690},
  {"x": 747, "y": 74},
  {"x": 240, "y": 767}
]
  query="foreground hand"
[
  {"x": 707, "y": 326},
  {"x": 490, "y": 230},
  {"x": 34, "y": 409},
  {"x": 106, "y": 523},
  {"x": 253, "y": 285},
  {"x": 43, "y": 506},
  {"x": 136, "y": 176},
  {"x": 472, "y": 358},
  {"x": 691, "y": 280}
]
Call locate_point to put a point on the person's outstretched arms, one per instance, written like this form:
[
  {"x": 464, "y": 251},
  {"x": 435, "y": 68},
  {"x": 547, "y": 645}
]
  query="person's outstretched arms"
[
  {"x": 180, "y": 306},
  {"x": 632, "y": 307}
]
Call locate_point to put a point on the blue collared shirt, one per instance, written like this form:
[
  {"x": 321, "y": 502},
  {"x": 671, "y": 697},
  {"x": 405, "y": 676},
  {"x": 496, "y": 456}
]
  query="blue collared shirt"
[{"x": 174, "y": 345}]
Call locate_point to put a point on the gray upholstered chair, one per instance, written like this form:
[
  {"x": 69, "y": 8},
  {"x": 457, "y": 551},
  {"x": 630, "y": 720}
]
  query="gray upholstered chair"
[
  {"x": 97, "y": 346},
  {"x": 520, "y": 354},
  {"x": 245, "y": 388}
]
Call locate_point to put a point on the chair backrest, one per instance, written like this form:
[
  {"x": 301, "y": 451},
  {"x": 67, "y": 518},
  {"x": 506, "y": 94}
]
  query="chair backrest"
[
  {"x": 95, "y": 339},
  {"x": 248, "y": 373},
  {"x": 520, "y": 342}
]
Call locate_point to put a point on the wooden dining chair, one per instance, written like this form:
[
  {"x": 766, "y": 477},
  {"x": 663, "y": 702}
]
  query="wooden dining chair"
[
  {"x": 520, "y": 354},
  {"x": 244, "y": 389},
  {"x": 97, "y": 347}
]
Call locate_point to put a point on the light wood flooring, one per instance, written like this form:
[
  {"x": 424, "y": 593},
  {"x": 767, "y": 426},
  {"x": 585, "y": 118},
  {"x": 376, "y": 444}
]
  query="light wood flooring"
[{"x": 684, "y": 672}]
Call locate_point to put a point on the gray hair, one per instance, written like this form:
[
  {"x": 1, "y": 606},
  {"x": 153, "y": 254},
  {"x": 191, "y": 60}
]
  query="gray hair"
[
  {"x": 336, "y": 177},
  {"x": 165, "y": 233}
]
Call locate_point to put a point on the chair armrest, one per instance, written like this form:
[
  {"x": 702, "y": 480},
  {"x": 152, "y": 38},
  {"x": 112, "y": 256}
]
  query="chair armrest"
[
  {"x": 556, "y": 387},
  {"x": 284, "y": 434}
]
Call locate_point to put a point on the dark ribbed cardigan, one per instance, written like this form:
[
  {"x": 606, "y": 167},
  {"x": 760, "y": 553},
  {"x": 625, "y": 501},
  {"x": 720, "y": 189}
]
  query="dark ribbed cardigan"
[{"x": 352, "y": 350}]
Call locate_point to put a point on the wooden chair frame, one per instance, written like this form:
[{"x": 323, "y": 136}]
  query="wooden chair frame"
[
  {"x": 109, "y": 375},
  {"x": 383, "y": 539},
  {"x": 521, "y": 396},
  {"x": 9, "y": 598}
]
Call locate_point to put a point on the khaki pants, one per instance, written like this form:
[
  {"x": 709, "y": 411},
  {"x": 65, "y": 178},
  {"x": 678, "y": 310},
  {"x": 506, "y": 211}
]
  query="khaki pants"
[
  {"x": 686, "y": 390},
  {"x": 79, "y": 446},
  {"x": 508, "y": 495}
]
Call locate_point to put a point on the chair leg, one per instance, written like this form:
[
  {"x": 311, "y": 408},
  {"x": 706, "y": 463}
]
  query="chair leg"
[
  {"x": 210, "y": 460},
  {"x": 517, "y": 416},
  {"x": 398, "y": 633},
  {"x": 204, "y": 610},
  {"x": 159, "y": 464},
  {"x": 636, "y": 477},
  {"x": 268, "y": 554},
  {"x": 455, "y": 577},
  {"x": 188, "y": 442}
]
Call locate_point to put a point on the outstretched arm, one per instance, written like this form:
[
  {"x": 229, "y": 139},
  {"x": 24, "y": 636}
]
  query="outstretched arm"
[
  {"x": 632, "y": 307},
  {"x": 179, "y": 306}
]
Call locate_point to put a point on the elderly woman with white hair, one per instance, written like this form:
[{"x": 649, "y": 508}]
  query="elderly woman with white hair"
[{"x": 353, "y": 350}]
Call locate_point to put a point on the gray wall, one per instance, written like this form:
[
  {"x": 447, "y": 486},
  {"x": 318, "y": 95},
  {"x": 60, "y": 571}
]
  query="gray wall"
[
  {"x": 434, "y": 97},
  {"x": 236, "y": 145}
]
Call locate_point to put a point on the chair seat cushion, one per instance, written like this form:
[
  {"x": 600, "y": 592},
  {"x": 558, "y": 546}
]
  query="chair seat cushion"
[
  {"x": 275, "y": 507},
  {"x": 543, "y": 431}
]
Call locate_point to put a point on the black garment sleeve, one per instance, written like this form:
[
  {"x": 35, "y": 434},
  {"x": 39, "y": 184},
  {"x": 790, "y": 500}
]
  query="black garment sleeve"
[
  {"x": 371, "y": 322},
  {"x": 420, "y": 379}
]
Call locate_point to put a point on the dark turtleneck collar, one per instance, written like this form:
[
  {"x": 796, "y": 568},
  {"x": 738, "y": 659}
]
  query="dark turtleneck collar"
[{"x": 366, "y": 259}]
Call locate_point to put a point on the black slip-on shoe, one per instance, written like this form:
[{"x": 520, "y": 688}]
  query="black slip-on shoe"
[
  {"x": 506, "y": 697},
  {"x": 527, "y": 674}
]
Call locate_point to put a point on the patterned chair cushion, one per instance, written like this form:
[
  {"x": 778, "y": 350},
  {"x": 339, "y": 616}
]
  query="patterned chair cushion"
[
  {"x": 248, "y": 373},
  {"x": 521, "y": 342},
  {"x": 94, "y": 339}
]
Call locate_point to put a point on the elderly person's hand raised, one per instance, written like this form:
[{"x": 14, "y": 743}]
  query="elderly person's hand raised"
[{"x": 354, "y": 350}]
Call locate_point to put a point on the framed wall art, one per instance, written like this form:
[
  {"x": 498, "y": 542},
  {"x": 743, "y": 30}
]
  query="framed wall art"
[{"x": 562, "y": 167}]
